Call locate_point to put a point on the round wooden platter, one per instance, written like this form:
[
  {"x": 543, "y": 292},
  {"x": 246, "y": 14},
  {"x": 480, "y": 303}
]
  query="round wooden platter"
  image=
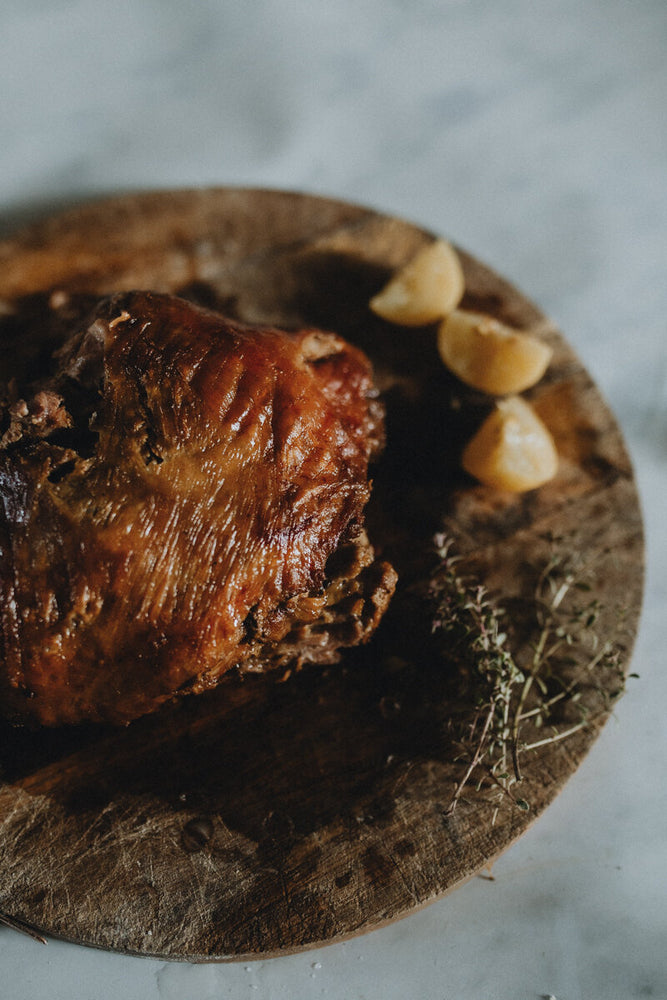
[{"x": 273, "y": 816}]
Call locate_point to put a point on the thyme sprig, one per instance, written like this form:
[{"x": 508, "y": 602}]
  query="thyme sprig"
[
  {"x": 477, "y": 643},
  {"x": 524, "y": 701}
]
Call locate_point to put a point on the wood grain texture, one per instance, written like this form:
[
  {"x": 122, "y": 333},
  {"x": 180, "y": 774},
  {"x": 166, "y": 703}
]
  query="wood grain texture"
[{"x": 268, "y": 817}]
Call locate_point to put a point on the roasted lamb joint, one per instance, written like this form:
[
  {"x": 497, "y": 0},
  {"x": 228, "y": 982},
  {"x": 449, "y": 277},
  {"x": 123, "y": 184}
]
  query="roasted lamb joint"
[{"x": 185, "y": 495}]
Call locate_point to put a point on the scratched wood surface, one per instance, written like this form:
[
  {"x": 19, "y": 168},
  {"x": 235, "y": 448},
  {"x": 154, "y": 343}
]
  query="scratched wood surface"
[{"x": 268, "y": 817}]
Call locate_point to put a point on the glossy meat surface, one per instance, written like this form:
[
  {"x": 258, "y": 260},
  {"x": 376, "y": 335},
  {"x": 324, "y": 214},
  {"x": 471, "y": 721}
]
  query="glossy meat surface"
[{"x": 185, "y": 495}]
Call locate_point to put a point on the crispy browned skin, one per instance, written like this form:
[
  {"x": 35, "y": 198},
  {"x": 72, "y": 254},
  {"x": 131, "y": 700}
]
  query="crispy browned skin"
[{"x": 185, "y": 496}]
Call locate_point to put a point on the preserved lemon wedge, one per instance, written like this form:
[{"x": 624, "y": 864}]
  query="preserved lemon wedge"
[
  {"x": 427, "y": 288},
  {"x": 490, "y": 356},
  {"x": 512, "y": 450}
]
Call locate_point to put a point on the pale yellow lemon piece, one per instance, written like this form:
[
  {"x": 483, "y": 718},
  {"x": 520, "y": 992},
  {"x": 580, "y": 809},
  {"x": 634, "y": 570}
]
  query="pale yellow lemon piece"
[
  {"x": 512, "y": 450},
  {"x": 427, "y": 288},
  {"x": 490, "y": 356}
]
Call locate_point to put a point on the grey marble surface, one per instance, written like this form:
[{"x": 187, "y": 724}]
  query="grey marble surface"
[{"x": 534, "y": 135}]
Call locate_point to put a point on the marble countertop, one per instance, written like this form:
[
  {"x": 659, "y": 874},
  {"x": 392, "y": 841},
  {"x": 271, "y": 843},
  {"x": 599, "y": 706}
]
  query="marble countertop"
[{"x": 534, "y": 136}]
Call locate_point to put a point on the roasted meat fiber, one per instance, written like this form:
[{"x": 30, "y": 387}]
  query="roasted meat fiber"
[{"x": 182, "y": 496}]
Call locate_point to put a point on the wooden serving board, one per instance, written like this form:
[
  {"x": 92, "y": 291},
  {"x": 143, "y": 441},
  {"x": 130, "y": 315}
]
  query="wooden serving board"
[{"x": 274, "y": 816}]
